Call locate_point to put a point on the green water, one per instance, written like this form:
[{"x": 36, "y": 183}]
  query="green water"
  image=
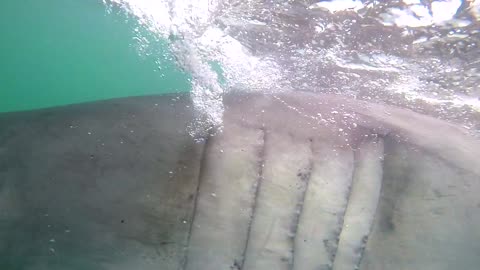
[{"x": 60, "y": 52}]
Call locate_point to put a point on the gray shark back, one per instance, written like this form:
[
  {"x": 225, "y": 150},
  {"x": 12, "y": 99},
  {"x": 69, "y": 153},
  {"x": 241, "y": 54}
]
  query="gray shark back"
[{"x": 292, "y": 181}]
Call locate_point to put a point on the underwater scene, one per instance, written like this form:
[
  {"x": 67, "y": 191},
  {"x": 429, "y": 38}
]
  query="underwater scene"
[{"x": 245, "y": 135}]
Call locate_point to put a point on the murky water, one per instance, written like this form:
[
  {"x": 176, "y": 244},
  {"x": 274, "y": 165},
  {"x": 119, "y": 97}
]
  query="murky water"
[{"x": 73, "y": 51}]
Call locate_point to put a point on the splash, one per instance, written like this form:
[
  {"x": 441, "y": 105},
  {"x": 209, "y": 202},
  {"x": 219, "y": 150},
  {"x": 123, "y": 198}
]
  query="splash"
[
  {"x": 197, "y": 42},
  {"x": 397, "y": 52}
]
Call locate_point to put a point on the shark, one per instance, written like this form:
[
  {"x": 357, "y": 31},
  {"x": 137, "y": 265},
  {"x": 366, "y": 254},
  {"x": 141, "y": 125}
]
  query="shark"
[{"x": 290, "y": 180}]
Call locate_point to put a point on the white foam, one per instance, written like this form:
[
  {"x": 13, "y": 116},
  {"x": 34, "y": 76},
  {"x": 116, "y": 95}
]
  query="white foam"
[
  {"x": 411, "y": 88},
  {"x": 418, "y": 15},
  {"x": 197, "y": 41}
]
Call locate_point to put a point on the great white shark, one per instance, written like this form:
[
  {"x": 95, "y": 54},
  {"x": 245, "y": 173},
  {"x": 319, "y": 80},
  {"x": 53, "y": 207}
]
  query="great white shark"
[{"x": 291, "y": 180}]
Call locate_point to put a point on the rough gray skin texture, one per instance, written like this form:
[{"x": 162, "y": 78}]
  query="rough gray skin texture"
[{"x": 120, "y": 184}]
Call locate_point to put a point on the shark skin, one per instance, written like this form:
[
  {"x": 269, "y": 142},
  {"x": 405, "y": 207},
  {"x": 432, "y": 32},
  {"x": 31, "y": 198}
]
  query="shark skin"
[{"x": 291, "y": 180}]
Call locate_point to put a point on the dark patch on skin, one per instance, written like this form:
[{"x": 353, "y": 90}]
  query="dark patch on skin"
[
  {"x": 260, "y": 165},
  {"x": 364, "y": 239},
  {"x": 304, "y": 174},
  {"x": 193, "y": 197},
  {"x": 388, "y": 223},
  {"x": 363, "y": 243},
  {"x": 395, "y": 182},
  {"x": 331, "y": 248},
  {"x": 237, "y": 265},
  {"x": 361, "y": 251}
]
